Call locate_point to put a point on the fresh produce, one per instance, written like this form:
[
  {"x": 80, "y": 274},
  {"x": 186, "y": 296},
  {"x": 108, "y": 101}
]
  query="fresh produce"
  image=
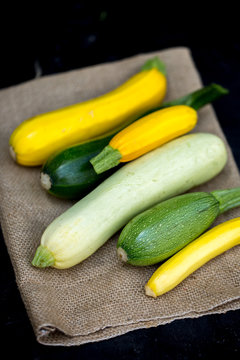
[
  {"x": 199, "y": 98},
  {"x": 68, "y": 173},
  {"x": 35, "y": 139},
  {"x": 159, "y": 232},
  {"x": 165, "y": 172},
  {"x": 146, "y": 134},
  {"x": 209, "y": 245}
]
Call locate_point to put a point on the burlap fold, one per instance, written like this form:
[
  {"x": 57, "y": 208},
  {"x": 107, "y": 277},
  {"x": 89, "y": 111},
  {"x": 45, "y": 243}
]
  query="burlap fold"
[{"x": 101, "y": 298}]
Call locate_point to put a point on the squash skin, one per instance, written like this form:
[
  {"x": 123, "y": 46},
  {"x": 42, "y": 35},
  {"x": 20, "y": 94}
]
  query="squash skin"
[
  {"x": 161, "y": 231},
  {"x": 73, "y": 159},
  {"x": 146, "y": 134},
  {"x": 209, "y": 245},
  {"x": 35, "y": 139},
  {"x": 70, "y": 173},
  {"x": 163, "y": 173},
  {"x": 153, "y": 130}
]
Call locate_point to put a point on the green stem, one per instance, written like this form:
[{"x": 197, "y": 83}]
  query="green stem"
[
  {"x": 107, "y": 159},
  {"x": 198, "y": 98},
  {"x": 43, "y": 257},
  {"x": 228, "y": 199},
  {"x": 155, "y": 63}
]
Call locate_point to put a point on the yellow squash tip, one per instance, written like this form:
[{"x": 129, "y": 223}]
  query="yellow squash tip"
[
  {"x": 12, "y": 153},
  {"x": 150, "y": 292}
]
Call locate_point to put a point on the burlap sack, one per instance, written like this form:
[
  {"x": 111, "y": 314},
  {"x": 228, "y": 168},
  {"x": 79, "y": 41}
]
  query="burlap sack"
[{"x": 100, "y": 298}]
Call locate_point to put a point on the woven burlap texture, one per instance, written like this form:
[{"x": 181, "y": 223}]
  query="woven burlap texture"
[{"x": 101, "y": 297}]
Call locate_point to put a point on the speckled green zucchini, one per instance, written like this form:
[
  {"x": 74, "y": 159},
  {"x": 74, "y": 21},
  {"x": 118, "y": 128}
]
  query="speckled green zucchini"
[{"x": 161, "y": 231}]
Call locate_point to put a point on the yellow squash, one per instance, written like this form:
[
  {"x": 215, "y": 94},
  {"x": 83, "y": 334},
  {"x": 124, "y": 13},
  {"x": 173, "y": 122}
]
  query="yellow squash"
[
  {"x": 146, "y": 134},
  {"x": 214, "y": 242},
  {"x": 34, "y": 140}
]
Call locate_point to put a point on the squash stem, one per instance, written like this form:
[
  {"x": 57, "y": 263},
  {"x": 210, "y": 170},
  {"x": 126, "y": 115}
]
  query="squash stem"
[
  {"x": 199, "y": 98},
  {"x": 196, "y": 99},
  {"x": 228, "y": 199},
  {"x": 107, "y": 159},
  {"x": 43, "y": 257},
  {"x": 155, "y": 63}
]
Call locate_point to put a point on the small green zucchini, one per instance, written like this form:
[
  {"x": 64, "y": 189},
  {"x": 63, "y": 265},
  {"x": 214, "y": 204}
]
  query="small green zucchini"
[
  {"x": 159, "y": 232},
  {"x": 68, "y": 174},
  {"x": 162, "y": 173}
]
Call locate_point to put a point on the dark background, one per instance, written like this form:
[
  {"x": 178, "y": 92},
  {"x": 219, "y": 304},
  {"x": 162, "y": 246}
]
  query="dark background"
[{"x": 46, "y": 38}]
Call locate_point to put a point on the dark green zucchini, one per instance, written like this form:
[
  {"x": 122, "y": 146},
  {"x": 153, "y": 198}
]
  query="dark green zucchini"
[
  {"x": 69, "y": 173},
  {"x": 158, "y": 233}
]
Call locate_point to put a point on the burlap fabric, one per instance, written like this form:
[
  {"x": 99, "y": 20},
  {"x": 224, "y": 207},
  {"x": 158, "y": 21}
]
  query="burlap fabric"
[{"x": 101, "y": 298}]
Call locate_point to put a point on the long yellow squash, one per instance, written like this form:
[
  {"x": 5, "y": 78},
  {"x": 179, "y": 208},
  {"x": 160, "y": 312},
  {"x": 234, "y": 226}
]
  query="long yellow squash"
[
  {"x": 34, "y": 140},
  {"x": 214, "y": 242},
  {"x": 146, "y": 134}
]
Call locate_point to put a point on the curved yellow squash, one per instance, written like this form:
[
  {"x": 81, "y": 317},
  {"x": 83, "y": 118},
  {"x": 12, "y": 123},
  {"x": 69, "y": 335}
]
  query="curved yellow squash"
[
  {"x": 212, "y": 243},
  {"x": 153, "y": 130},
  {"x": 144, "y": 135},
  {"x": 33, "y": 141}
]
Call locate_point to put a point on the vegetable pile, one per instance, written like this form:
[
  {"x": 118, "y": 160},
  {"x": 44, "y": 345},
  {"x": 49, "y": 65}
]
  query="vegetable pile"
[{"x": 82, "y": 149}]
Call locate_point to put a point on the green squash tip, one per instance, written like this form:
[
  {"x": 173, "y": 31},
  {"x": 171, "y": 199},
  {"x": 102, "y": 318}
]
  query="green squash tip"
[
  {"x": 43, "y": 257},
  {"x": 155, "y": 63}
]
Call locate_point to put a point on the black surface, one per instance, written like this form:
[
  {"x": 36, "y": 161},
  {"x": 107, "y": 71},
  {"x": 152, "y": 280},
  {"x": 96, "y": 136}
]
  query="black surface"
[{"x": 40, "y": 39}]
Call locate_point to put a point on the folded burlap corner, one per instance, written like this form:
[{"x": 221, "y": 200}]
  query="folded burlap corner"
[{"x": 101, "y": 297}]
